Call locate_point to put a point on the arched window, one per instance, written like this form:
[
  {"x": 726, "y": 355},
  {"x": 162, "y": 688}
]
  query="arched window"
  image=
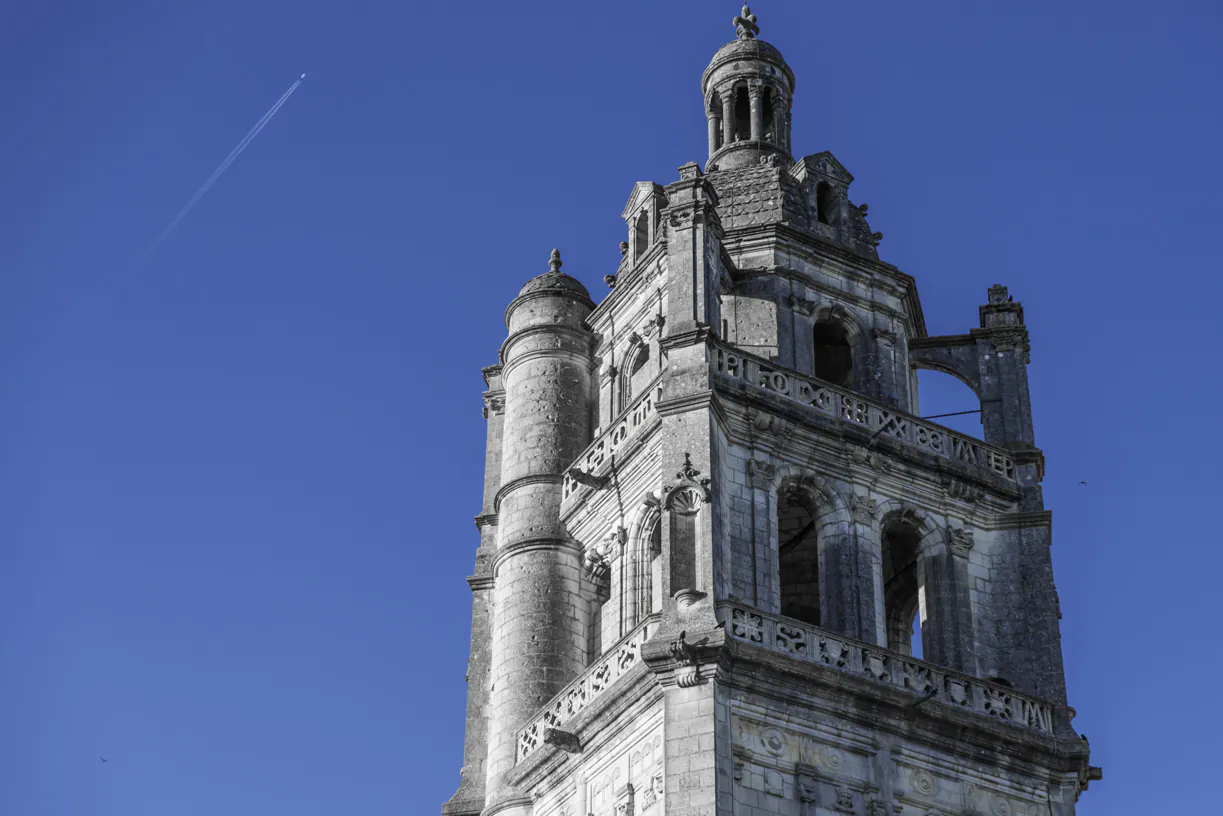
[
  {"x": 798, "y": 556},
  {"x": 901, "y": 583},
  {"x": 641, "y": 234},
  {"x": 644, "y": 591},
  {"x": 637, "y": 376},
  {"x": 825, "y": 203},
  {"x": 715, "y": 111},
  {"x": 833, "y": 356},
  {"x": 652, "y": 597},
  {"x": 743, "y": 114},
  {"x": 766, "y": 109}
]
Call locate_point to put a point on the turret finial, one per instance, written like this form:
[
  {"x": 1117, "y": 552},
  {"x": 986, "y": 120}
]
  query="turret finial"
[
  {"x": 554, "y": 263},
  {"x": 745, "y": 25}
]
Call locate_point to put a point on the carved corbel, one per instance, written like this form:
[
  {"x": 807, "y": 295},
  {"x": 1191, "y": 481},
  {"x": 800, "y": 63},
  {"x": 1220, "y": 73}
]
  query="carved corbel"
[
  {"x": 493, "y": 404},
  {"x": 961, "y": 541},
  {"x": 760, "y": 473},
  {"x": 801, "y": 305},
  {"x": 598, "y": 557},
  {"x": 864, "y": 509}
]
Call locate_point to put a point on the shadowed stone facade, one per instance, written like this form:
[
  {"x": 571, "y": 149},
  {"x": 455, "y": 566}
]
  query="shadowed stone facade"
[{"x": 712, "y": 516}]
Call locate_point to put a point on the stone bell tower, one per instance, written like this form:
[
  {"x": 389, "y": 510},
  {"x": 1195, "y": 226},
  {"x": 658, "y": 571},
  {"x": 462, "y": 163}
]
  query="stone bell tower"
[{"x": 712, "y": 520}]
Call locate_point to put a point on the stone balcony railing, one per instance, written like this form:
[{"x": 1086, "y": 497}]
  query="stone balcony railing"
[
  {"x": 796, "y": 639},
  {"x": 627, "y": 427},
  {"x": 851, "y": 408},
  {"x": 585, "y": 689}
]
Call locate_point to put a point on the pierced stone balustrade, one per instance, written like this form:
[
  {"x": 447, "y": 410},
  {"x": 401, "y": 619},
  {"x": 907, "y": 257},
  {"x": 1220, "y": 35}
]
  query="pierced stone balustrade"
[
  {"x": 848, "y": 407},
  {"x": 806, "y": 642},
  {"x": 628, "y": 426},
  {"x": 585, "y": 689}
]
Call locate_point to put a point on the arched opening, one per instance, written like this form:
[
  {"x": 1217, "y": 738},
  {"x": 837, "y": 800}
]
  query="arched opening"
[
  {"x": 645, "y": 574},
  {"x": 798, "y": 559},
  {"x": 636, "y": 376},
  {"x": 901, "y": 584},
  {"x": 833, "y": 356},
  {"x": 715, "y": 113},
  {"x": 939, "y": 395},
  {"x": 743, "y": 114},
  {"x": 641, "y": 234},
  {"x": 825, "y": 203},
  {"x": 685, "y": 509},
  {"x": 766, "y": 108},
  {"x": 652, "y": 596}
]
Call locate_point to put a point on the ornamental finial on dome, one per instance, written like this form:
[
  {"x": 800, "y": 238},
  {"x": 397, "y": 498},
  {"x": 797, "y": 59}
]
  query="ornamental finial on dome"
[
  {"x": 745, "y": 25},
  {"x": 554, "y": 263}
]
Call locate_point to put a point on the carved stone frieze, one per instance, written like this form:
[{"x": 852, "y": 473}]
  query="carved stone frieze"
[
  {"x": 864, "y": 457},
  {"x": 965, "y": 491}
]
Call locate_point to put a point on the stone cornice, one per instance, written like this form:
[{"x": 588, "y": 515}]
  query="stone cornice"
[
  {"x": 513, "y": 484},
  {"x": 792, "y": 236},
  {"x": 545, "y": 293},
  {"x": 553, "y": 543},
  {"x": 583, "y": 335}
]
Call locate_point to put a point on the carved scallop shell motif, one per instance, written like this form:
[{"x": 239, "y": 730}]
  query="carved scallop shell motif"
[
  {"x": 1000, "y": 807},
  {"x": 832, "y": 758},
  {"x": 924, "y": 783}
]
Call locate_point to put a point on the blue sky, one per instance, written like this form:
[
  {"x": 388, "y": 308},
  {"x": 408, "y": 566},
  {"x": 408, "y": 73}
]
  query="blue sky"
[{"x": 237, "y": 483}]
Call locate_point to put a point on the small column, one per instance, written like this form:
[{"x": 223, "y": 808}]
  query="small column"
[
  {"x": 728, "y": 117},
  {"x": 753, "y": 94},
  {"x": 714, "y": 126}
]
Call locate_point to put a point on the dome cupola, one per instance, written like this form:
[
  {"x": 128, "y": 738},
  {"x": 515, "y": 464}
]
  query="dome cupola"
[{"x": 748, "y": 88}]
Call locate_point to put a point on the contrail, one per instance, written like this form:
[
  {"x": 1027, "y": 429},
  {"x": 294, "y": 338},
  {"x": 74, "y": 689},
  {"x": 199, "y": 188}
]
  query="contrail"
[{"x": 216, "y": 174}]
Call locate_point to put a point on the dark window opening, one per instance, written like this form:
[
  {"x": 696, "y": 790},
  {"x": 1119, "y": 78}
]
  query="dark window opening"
[
  {"x": 798, "y": 554},
  {"x": 766, "y": 102},
  {"x": 654, "y": 573},
  {"x": 901, "y": 542},
  {"x": 715, "y": 108},
  {"x": 743, "y": 114},
  {"x": 834, "y": 361},
  {"x": 641, "y": 235},
  {"x": 825, "y": 203}
]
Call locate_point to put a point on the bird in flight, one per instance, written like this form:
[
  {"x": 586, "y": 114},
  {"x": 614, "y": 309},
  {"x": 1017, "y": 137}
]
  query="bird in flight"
[
  {"x": 1082, "y": 483},
  {"x": 103, "y": 759}
]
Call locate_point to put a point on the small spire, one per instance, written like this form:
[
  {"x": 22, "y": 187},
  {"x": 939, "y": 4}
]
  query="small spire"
[
  {"x": 554, "y": 263},
  {"x": 745, "y": 25}
]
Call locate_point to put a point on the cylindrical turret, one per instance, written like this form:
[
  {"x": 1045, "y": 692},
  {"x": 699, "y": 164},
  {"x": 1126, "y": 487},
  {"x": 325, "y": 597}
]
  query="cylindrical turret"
[
  {"x": 539, "y": 615},
  {"x": 748, "y": 88}
]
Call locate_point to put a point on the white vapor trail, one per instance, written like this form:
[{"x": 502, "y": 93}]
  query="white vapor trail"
[{"x": 216, "y": 174}]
